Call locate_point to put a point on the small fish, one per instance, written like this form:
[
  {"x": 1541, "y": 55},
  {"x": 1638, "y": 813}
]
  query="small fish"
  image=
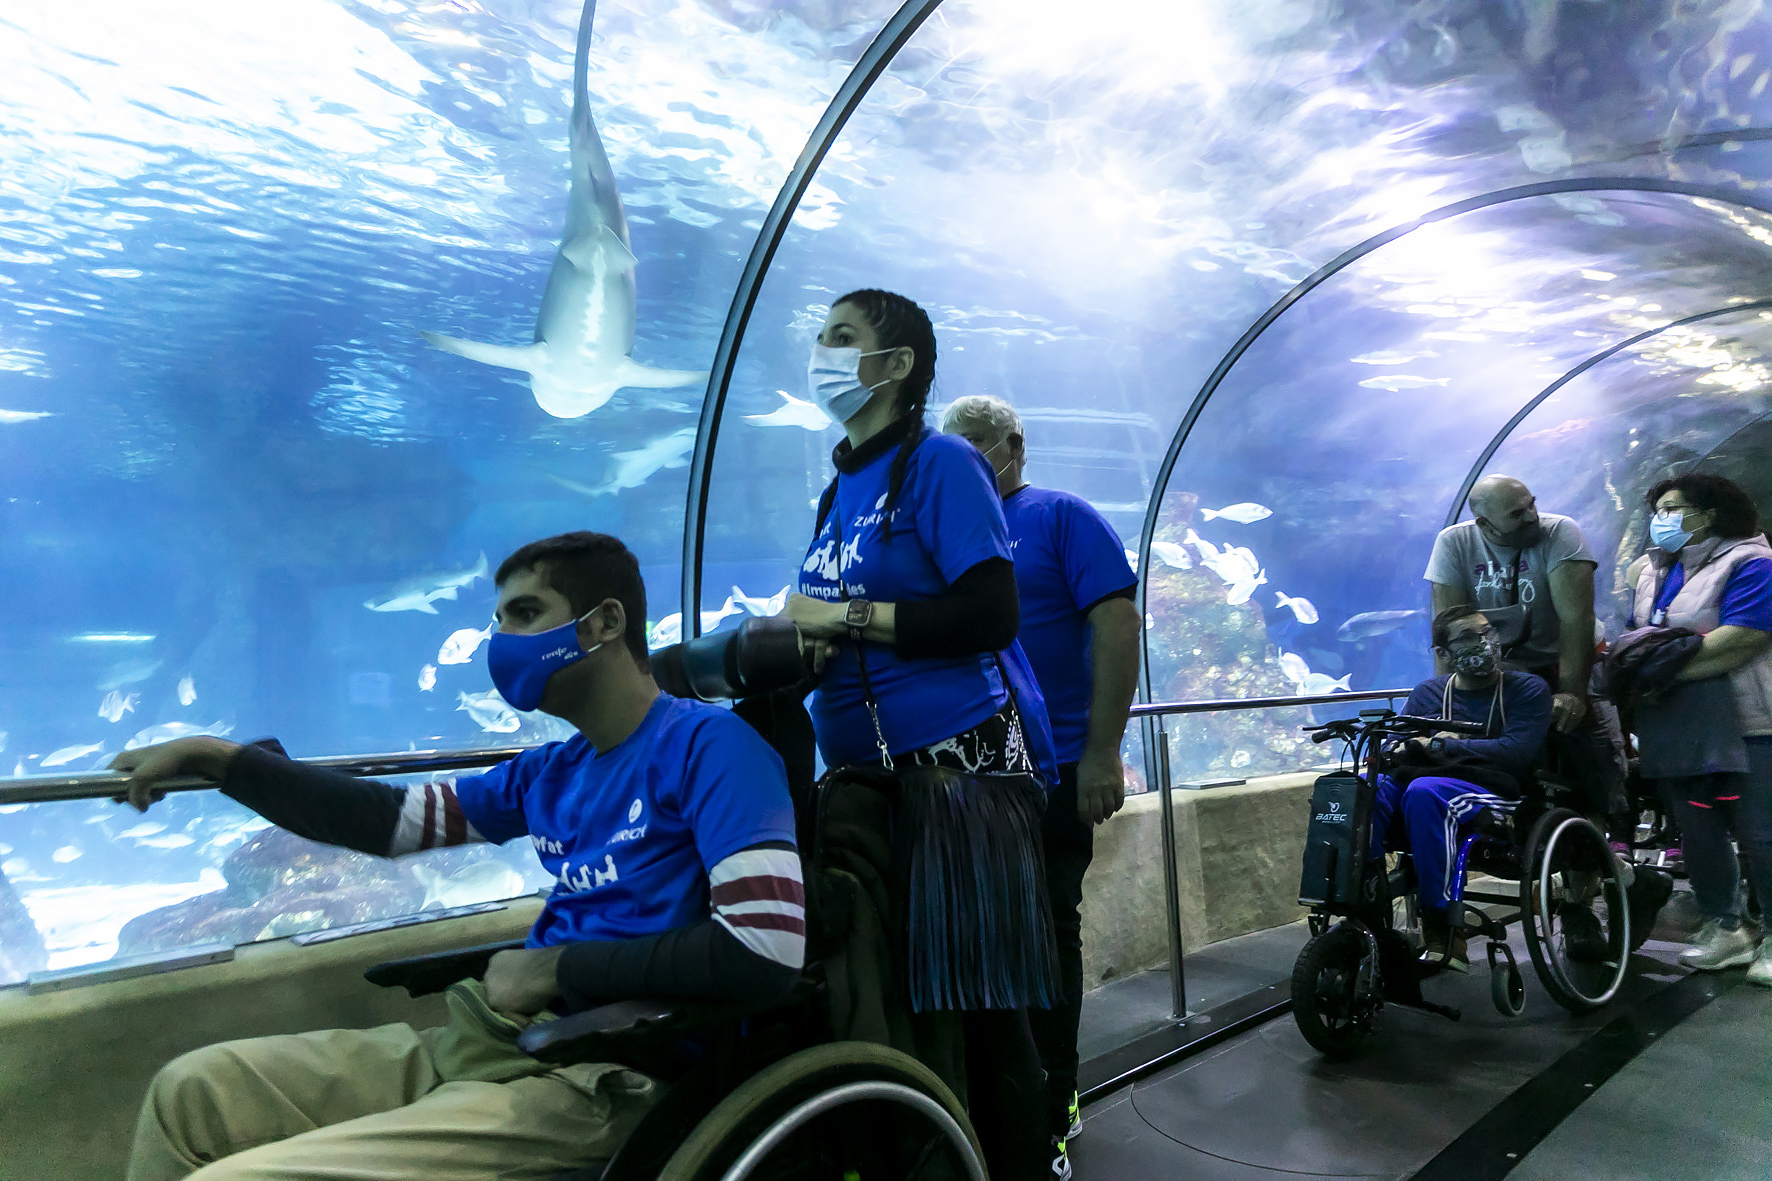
[
  {"x": 1243, "y": 514},
  {"x": 490, "y": 712},
  {"x": 1373, "y": 623},
  {"x": 2, "y": 740},
  {"x": 1397, "y": 382},
  {"x": 1206, "y": 548},
  {"x": 770, "y": 606},
  {"x": 1240, "y": 591},
  {"x": 1171, "y": 555},
  {"x": 146, "y": 828},
  {"x": 116, "y": 704},
  {"x": 427, "y": 678},
  {"x": 170, "y": 840},
  {"x": 67, "y": 754},
  {"x": 1317, "y": 684},
  {"x": 1303, "y": 609},
  {"x": 1241, "y": 759},
  {"x": 484, "y": 881},
  {"x": 1294, "y": 666},
  {"x": 461, "y": 645},
  {"x": 666, "y": 631},
  {"x": 66, "y": 854},
  {"x": 13, "y": 417},
  {"x": 417, "y": 594},
  {"x": 129, "y": 673},
  {"x": 793, "y": 412},
  {"x": 1235, "y": 564},
  {"x": 167, "y": 731},
  {"x": 1389, "y": 357},
  {"x": 1132, "y": 557},
  {"x": 187, "y": 690}
]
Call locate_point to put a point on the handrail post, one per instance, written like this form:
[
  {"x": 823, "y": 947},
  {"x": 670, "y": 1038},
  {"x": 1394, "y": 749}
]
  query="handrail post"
[{"x": 1171, "y": 871}]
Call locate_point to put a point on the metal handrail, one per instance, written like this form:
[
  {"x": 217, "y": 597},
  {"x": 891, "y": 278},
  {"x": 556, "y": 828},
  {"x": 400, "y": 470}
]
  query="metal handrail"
[
  {"x": 1172, "y": 708},
  {"x": 98, "y": 785}
]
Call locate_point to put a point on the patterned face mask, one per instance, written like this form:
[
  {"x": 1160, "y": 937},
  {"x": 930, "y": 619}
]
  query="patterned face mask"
[{"x": 1475, "y": 657}]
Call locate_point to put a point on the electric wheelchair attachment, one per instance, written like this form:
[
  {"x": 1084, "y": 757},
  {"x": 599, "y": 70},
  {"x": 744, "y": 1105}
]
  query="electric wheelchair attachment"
[
  {"x": 759, "y": 1093},
  {"x": 1570, "y": 899}
]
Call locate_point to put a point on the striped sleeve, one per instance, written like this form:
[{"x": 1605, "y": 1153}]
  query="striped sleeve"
[
  {"x": 431, "y": 818},
  {"x": 758, "y": 896}
]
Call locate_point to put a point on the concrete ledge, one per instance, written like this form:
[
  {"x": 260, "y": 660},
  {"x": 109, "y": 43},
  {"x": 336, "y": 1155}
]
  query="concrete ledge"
[
  {"x": 74, "y": 1065},
  {"x": 1237, "y": 852}
]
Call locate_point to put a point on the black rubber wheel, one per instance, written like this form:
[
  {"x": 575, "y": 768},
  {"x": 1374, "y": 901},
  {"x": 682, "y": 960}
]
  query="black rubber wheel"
[
  {"x": 1333, "y": 1018},
  {"x": 1574, "y": 911},
  {"x": 1507, "y": 989},
  {"x": 832, "y": 1109}
]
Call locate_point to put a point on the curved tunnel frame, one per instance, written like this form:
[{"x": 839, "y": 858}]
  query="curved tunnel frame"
[
  {"x": 1513, "y": 424},
  {"x": 1160, "y": 486},
  {"x": 868, "y": 67}
]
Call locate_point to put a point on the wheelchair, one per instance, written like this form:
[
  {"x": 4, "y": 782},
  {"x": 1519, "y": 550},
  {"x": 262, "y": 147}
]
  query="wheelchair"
[
  {"x": 761, "y": 1093},
  {"x": 1570, "y": 897}
]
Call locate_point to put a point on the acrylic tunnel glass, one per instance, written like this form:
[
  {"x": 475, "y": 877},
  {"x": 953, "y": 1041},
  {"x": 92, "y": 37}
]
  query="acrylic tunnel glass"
[
  {"x": 1355, "y": 418},
  {"x": 239, "y": 493},
  {"x": 1094, "y": 210},
  {"x": 1690, "y": 396},
  {"x": 87, "y": 880}
]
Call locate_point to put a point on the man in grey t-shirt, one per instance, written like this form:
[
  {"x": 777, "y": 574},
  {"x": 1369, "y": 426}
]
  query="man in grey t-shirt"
[{"x": 1532, "y": 576}]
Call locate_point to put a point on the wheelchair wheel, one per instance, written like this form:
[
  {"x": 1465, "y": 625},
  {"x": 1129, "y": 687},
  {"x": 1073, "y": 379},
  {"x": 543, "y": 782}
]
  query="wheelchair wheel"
[
  {"x": 1576, "y": 915},
  {"x": 1327, "y": 1003},
  {"x": 830, "y": 1110}
]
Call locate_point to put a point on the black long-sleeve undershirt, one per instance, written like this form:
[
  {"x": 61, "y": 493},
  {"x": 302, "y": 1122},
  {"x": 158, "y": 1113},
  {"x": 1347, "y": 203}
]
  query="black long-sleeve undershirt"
[
  {"x": 702, "y": 960},
  {"x": 981, "y": 612}
]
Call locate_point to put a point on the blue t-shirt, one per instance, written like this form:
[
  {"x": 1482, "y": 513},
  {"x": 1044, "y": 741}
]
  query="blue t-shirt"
[
  {"x": 1747, "y": 596},
  {"x": 1067, "y": 559},
  {"x": 948, "y": 519},
  {"x": 630, "y": 833}
]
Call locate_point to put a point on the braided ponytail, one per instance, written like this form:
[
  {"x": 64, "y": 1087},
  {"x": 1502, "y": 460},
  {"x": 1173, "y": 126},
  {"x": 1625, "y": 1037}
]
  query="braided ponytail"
[{"x": 899, "y": 323}]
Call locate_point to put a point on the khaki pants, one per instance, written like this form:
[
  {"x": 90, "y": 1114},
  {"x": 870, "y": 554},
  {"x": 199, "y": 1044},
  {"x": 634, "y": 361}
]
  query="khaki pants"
[{"x": 454, "y": 1103}]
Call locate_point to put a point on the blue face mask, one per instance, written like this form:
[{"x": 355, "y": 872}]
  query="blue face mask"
[
  {"x": 521, "y": 665},
  {"x": 1667, "y": 530}
]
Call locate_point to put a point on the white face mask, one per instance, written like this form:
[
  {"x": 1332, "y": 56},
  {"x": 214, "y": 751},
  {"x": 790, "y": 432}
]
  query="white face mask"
[
  {"x": 833, "y": 378},
  {"x": 987, "y": 456}
]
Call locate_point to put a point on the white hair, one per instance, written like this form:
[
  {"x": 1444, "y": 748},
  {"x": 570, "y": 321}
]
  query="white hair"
[{"x": 1000, "y": 415}]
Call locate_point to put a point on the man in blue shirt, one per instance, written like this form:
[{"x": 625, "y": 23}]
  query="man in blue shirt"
[
  {"x": 668, "y": 826},
  {"x": 1080, "y": 631}
]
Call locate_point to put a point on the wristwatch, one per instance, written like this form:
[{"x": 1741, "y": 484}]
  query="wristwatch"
[
  {"x": 856, "y": 617},
  {"x": 1437, "y": 745}
]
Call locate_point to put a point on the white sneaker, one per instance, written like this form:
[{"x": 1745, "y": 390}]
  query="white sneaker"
[
  {"x": 1760, "y": 971},
  {"x": 1715, "y": 948}
]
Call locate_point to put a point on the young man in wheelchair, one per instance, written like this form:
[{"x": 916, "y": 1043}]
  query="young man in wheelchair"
[
  {"x": 669, "y": 827},
  {"x": 1445, "y": 784}
]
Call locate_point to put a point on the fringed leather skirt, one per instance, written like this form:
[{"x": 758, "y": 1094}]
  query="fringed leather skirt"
[{"x": 975, "y": 920}]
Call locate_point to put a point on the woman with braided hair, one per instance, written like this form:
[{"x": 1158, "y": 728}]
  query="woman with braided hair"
[{"x": 909, "y": 586}]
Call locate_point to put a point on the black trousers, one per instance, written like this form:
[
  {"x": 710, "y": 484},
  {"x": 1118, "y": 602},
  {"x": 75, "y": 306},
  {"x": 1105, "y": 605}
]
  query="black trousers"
[
  {"x": 1070, "y": 846},
  {"x": 1003, "y": 1086}
]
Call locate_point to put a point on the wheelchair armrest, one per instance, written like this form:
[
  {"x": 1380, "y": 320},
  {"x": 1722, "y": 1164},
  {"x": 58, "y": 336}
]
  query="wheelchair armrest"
[
  {"x": 424, "y": 974},
  {"x": 630, "y": 1030}
]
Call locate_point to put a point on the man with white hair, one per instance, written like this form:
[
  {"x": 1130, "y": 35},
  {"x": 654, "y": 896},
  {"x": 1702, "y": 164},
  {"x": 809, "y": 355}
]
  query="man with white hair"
[
  {"x": 1531, "y": 574},
  {"x": 1080, "y": 630}
]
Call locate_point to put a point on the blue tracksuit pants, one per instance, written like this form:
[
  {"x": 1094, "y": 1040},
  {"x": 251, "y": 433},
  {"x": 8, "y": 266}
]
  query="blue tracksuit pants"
[{"x": 1431, "y": 813}]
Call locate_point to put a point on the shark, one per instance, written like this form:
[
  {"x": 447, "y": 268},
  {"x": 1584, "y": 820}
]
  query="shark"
[
  {"x": 630, "y": 469},
  {"x": 417, "y": 594},
  {"x": 584, "y": 332}
]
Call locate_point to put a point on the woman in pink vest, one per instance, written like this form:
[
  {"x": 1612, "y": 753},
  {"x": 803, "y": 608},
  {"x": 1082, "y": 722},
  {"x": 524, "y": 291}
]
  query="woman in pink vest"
[{"x": 1710, "y": 572}]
